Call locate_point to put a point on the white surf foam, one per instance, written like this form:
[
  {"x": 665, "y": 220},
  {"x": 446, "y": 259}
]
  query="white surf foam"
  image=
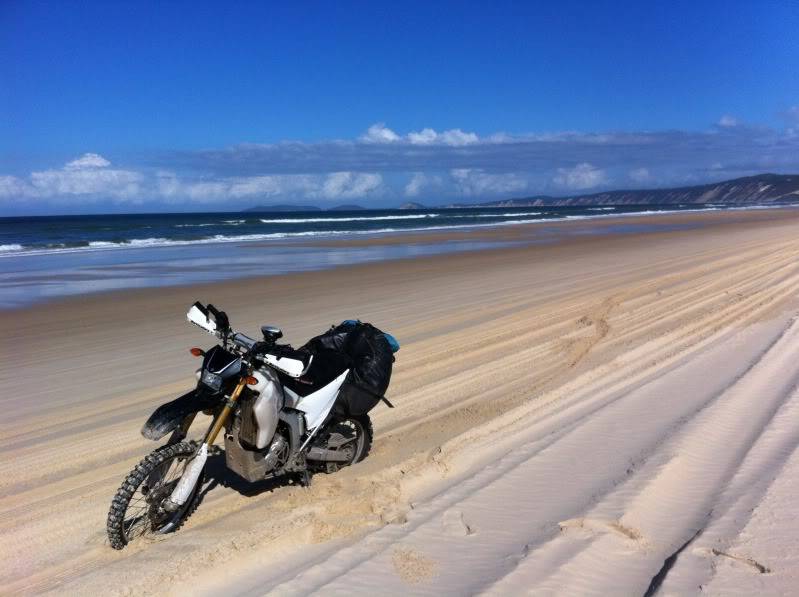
[
  {"x": 502, "y": 215},
  {"x": 353, "y": 219},
  {"x": 206, "y": 224}
]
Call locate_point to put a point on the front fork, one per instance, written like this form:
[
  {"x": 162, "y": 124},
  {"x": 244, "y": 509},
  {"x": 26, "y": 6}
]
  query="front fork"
[
  {"x": 190, "y": 476},
  {"x": 222, "y": 417}
]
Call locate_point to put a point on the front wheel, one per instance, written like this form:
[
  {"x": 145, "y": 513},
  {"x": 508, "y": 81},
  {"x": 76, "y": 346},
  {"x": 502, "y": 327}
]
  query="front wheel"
[{"x": 137, "y": 508}]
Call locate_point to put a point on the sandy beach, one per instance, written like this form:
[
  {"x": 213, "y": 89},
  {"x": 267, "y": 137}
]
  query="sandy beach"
[{"x": 607, "y": 414}]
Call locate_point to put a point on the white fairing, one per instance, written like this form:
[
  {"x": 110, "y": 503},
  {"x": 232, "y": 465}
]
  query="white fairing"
[
  {"x": 317, "y": 405},
  {"x": 267, "y": 406},
  {"x": 199, "y": 318},
  {"x": 291, "y": 367}
]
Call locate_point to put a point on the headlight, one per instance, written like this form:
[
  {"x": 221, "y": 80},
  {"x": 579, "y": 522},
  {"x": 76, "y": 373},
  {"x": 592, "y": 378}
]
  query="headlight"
[{"x": 212, "y": 380}]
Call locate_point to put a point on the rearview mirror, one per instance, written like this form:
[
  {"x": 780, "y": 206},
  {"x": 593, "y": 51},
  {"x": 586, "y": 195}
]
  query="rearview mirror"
[{"x": 198, "y": 315}]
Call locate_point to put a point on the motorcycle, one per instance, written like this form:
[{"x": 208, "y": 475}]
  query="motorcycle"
[{"x": 285, "y": 412}]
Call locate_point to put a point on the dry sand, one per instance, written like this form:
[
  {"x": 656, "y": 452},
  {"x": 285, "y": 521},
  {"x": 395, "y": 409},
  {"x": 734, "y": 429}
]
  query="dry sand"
[{"x": 578, "y": 418}]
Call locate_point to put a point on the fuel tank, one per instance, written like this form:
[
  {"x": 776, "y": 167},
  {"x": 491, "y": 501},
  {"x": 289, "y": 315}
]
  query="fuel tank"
[{"x": 267, "y": 405}]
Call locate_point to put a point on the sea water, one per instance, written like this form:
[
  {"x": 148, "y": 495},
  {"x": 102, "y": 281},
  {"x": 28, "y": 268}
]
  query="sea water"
[{"x": 50, "y": 256}]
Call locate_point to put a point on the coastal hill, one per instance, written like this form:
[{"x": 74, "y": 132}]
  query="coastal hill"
[{"x": 763, "y": 188}]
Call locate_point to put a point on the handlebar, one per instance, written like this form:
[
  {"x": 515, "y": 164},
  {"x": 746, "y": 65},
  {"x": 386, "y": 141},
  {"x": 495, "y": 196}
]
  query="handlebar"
[
  {"x": 246, "y": 343},
  {"x": 243, "y": 341},
  {"x": 249, "y": 347}
]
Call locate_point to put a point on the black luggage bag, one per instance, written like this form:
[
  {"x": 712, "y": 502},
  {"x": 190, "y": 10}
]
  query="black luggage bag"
[{"x": 370, "y": 357}]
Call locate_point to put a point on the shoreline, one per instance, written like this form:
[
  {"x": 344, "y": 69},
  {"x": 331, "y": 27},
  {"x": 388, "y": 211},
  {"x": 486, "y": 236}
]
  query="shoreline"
[{"x": 444, "y": 244}]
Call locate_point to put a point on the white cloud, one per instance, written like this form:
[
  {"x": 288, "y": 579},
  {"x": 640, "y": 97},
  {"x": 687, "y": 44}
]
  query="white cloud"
[
  {"x": 88, "y": 175},
  {"x": 273, "y": 185},
  {"x": 728, "y": 121},
  {"x": 500, "y": 138},
  {"x": 172, "y": 188},
  {"x": 168, "y": 184},
  {"x": 419, "y": 181},
  {"x": 582, "y": 176},
  {"x": 88, "y": 160},
  {"x": 472, "y": 182},
  {"x": 114, "y": 183},
  {"x": 452, "y": 137},
  {"x": 640, "y": 175},
  {"x": 457, "y": 137},
  {"x": 11, "y": 186},
  {"x": 423, "y": 137},
  {"x": 349, "y": 185},
  {"x": 337, "y": 185},
  {"x": 379, "y": 133},
  {"x": 90, "y": 179}
]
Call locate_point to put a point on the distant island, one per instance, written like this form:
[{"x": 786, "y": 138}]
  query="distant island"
[
  {"x": 762, "y": 189},
  {"x": 412, "y": 205}
]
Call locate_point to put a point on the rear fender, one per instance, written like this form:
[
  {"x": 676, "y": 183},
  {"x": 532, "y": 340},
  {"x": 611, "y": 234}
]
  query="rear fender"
[{"x": 171, "y": 415}]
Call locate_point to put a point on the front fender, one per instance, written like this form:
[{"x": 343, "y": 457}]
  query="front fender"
[{"x": 169, "y": 416}]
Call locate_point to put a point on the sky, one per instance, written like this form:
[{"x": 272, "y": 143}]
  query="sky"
[{"x": 205, "y": 106}]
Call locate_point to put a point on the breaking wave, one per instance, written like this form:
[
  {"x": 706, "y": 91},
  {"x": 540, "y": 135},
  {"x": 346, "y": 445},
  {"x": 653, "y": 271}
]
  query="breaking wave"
[{"x": 352, "y": 219}]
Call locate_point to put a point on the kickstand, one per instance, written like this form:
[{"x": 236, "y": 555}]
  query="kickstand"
[{"x": 304, "y": 478}]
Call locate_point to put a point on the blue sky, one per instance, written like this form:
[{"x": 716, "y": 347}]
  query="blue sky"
[{"x": 109, "y": 106}]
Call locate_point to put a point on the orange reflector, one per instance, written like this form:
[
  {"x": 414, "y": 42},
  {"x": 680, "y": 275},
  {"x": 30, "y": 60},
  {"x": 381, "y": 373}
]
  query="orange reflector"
[
  {"x": 252, "y": 381},
  {"x": 197, "y": 352}
]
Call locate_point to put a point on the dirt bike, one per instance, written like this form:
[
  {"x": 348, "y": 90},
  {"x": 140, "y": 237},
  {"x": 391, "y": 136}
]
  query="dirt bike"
[{"x": 285, "y": 413}]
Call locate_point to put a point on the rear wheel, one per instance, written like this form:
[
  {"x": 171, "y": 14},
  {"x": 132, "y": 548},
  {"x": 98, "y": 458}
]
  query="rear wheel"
[
  {"x": 137, "y": 508},
  {"x": 352, "y": 436}
]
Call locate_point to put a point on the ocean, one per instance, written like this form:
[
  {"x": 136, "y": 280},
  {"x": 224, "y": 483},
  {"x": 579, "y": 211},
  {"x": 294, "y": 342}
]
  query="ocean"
[
  {"x": 51, "y": 256},
  {"x": 61, "y": 234}
]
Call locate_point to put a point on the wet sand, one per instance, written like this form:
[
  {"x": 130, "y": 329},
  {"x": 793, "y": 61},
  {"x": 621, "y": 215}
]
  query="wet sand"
[{"x": 568, "y": 416}]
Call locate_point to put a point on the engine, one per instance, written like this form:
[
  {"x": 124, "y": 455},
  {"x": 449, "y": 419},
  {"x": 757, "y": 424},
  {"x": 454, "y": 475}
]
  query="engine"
[
  {"x": 245, "y": 460},
  {"x": 253, "y": 446}
]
